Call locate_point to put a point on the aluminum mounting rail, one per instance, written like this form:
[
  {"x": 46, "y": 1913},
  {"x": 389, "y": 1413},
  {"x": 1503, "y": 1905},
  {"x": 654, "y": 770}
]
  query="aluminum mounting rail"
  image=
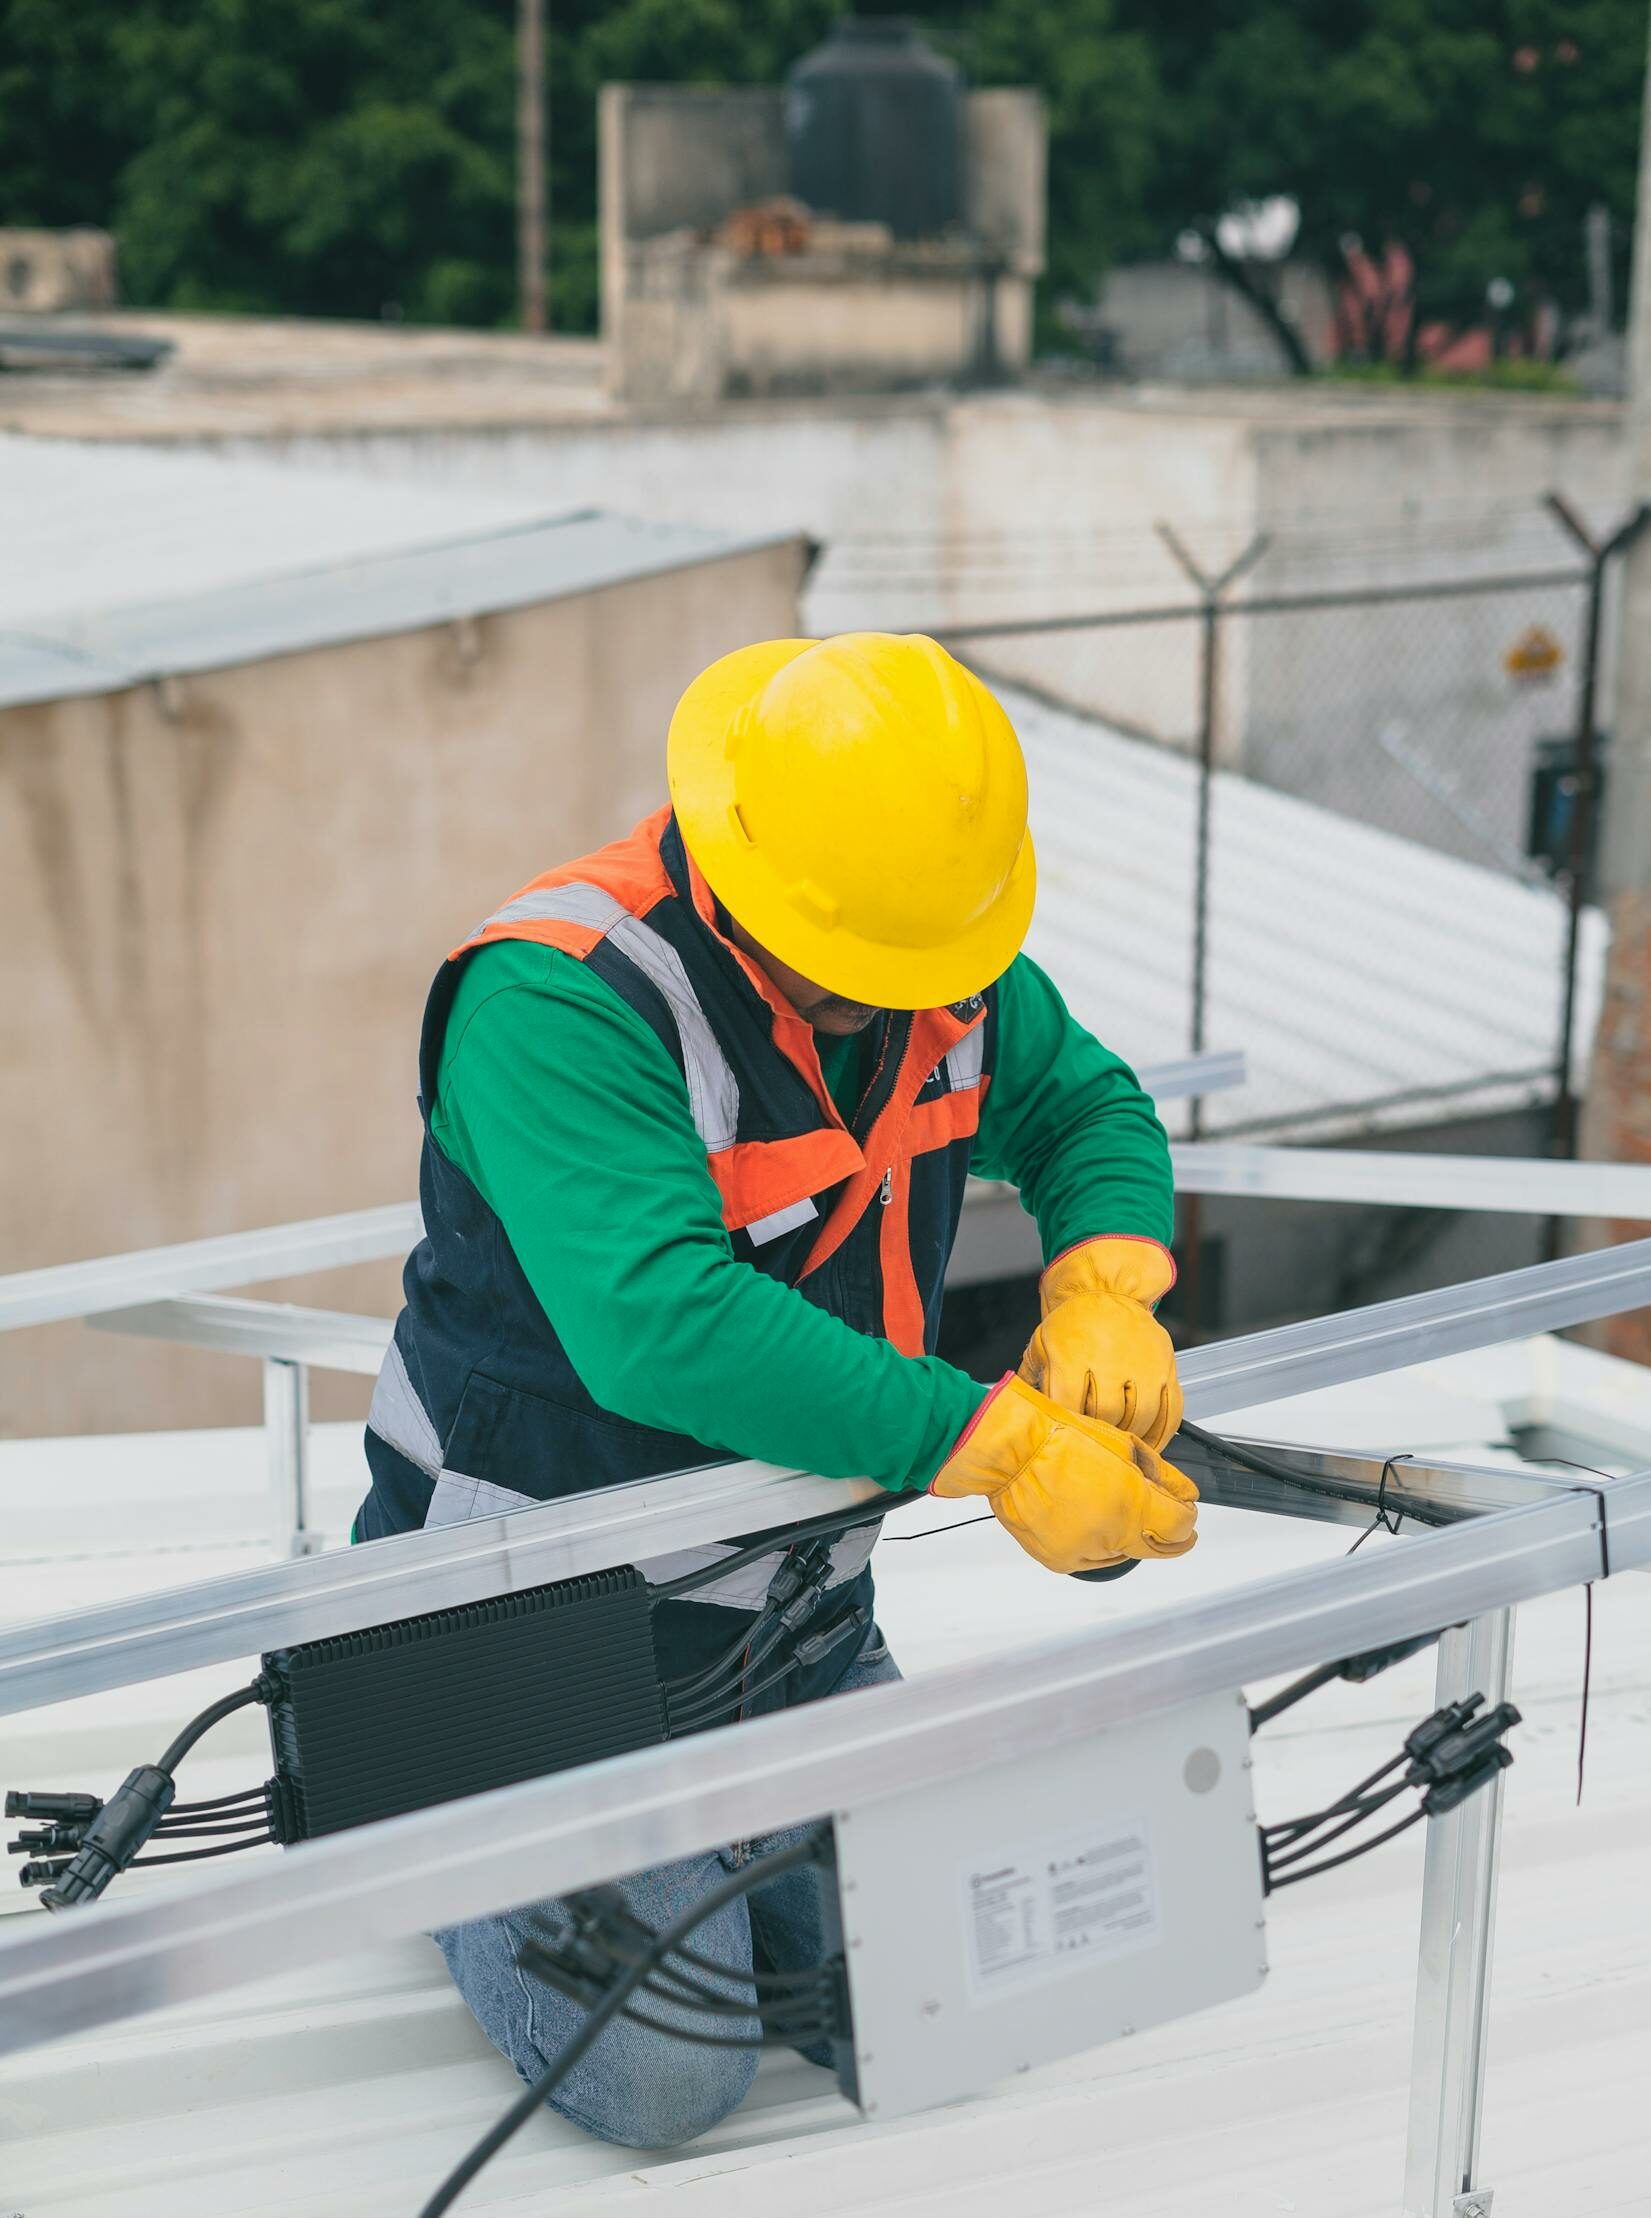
[
  {"x": 330, "y": 1339},
  {"x": 104, "y": 1283},
  {"x": 1394, "y": 1178},
  {"x": 107, "y": 1282},
  {"x": 150, "y": 1636},
  {"x": 377, "y": 1884}
]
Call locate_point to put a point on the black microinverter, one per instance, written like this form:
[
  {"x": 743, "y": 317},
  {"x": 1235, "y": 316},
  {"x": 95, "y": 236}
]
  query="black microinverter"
[{"x": 368, "y": 1725}]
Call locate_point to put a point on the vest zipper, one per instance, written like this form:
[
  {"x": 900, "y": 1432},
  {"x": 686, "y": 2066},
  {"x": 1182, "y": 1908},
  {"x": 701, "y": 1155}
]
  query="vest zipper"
[{"x": 885, "y": 1192}]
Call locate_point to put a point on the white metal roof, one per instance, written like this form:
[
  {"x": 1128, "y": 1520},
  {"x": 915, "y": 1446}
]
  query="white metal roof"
[
  {"x": 348, "y": 2094},
  {"x": 1352, "y": 966},
  {"x": 119, "y": 564}
]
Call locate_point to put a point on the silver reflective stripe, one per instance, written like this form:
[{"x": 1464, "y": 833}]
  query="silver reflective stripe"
[
  {"x": 573, "y": 904},
  {"x": 400, "y": 1419},
  {"x": 966, "y": 1061},
  {"x": 457, "y": 1498},
  {"x": 747, "y": 1588},
  {"x": 713, "y": 1091},
  {"x": 764, "y": 1229}
]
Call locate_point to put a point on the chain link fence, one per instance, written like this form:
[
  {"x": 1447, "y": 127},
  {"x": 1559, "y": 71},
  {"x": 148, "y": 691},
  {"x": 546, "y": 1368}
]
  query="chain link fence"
[{"x": 1390, "y": 798}]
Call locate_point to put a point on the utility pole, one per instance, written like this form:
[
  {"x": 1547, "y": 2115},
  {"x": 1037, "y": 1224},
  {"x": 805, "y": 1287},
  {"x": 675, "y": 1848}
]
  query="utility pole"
[
  {"x": 1617, "y": 1124},
  {"x": 530, "y": 162}
]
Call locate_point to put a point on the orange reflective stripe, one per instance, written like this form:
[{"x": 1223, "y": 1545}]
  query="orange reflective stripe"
[
  {"x": 630, "y": 869},
  {"x": 934, "y": 1031},
  {"x": 757, "y": 1177},
  {"x": 936, "y": 1124},
  {"x": 902, "y": 1304}
]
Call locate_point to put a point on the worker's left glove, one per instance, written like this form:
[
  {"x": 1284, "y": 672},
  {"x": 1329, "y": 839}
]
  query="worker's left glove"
[{"x": 1100, "y": 1352}]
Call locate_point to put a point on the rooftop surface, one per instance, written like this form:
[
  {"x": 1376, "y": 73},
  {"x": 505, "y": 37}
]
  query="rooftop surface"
[
  {"x": 120, "y": 565},
  {"x": 256, "y": 377},
  {"x": 347, "y": 2092}
]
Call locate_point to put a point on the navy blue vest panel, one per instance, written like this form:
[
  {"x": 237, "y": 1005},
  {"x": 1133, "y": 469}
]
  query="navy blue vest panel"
[{"x": 479, "y": 1407}]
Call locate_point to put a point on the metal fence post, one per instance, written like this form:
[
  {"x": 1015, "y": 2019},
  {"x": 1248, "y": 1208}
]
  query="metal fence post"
[
  {"x": 1585, "y": 795},
  {"x": 1210, "y": 587},
  {"x": 287, "y": 1445},
  {"x": 1447, "y": 2057}
]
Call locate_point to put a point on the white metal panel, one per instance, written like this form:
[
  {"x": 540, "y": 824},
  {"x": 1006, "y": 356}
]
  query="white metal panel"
[
  {"x": 1349, "y": 963},
  {"x": 1066, "y": 1898}
]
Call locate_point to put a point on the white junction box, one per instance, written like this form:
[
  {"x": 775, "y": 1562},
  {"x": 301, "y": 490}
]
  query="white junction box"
[{"x": 1040, "y": 1907}]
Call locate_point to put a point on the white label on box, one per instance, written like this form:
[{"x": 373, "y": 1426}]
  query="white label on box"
[{"x": 1059, "y": 1905}]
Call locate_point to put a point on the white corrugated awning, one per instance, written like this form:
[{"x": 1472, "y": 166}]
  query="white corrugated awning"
[{"x": 1371, "y": 982}]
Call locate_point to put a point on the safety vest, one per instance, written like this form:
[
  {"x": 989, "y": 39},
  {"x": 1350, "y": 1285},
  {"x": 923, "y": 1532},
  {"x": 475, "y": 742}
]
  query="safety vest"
[{"x": 478, "y": 1407}]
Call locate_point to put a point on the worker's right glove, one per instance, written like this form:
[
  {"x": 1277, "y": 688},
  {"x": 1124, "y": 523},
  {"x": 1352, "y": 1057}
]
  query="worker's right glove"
[{"x": 1077, "y": 1493}]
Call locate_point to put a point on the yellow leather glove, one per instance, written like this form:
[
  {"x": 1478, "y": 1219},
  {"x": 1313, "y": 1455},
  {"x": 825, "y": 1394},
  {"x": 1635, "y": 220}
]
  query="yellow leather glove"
[
  {"x": 1076, "y": 1493},
  {"x": 1100, "y": 1351}
]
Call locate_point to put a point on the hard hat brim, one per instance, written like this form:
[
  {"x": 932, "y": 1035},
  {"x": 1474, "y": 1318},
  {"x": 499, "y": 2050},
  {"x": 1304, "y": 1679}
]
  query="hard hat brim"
[{"x": 701, "y": 774}]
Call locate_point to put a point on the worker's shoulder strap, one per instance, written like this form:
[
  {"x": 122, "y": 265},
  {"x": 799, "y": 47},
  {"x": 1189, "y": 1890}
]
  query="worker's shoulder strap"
[{"x": 640, "y": 916}]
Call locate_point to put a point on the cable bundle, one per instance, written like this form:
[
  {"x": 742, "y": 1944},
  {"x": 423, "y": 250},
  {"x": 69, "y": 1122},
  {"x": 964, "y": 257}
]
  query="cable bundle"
[
  {"x": 719, "y": 1690},
  {"x": 103, "y": 1838},
  {"x": 606, "y": 1939},
  {"x": 612, "y": 1996},
  {"x": 1449, "y": 1756}
]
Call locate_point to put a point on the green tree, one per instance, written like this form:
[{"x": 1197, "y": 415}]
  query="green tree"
[
  {"x": 326, "y": 157},
  {"x": 1474, "y": 133}
]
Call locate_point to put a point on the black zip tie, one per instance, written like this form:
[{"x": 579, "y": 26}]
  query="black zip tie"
[
  {"x": 1388, "y": 1521},
  {"x": 1598, "y": 1492}
]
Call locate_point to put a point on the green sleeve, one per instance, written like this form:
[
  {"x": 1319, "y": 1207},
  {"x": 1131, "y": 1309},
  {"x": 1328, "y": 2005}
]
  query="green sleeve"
[
  {"x": 1067, "y": 1122},
  {"x": 562, "y": 1107}
]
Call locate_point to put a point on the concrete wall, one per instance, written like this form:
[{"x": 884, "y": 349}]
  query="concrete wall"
[
  {"x": 1179, "y": 320},
  {"x": 937, "y": 508},
  {"x": 686, "y": 320},
  {"x": 223, "y": 903}
]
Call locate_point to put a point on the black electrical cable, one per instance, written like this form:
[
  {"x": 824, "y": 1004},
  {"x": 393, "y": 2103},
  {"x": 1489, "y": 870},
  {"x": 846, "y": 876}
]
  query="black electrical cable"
[
  {"x": 797, "y": 1984},
  {"x": 1291, "y": 1830},
  {"x": 719, "y": 1711},
  {"x": 1347, "y": 1855},
  {"x": 839, "y": 1521},
  {"x": 760, "y": 1643},
  {"x": 1309, "y": 1845},
  {"x": 640, "y": 1934},
  {"x": 1268, "y": 1467},
  {"x": 613, "y": 2002},
  {"x": 194, "y": 1855},
  {"x": 170, "y": 1833},
  {"x": 198, "y": 1726},
  {"x": 219, "y": 1802},
  {"x": 582, "y": 1988}
]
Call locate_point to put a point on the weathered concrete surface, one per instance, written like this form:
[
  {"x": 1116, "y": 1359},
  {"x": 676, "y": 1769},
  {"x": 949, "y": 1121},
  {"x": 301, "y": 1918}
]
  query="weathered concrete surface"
[{"x": 224, "y": 900}]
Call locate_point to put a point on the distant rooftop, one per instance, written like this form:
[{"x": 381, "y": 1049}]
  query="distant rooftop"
[
  {"x": 266, "y": 377},
  {"x": 120, "y": 565}
]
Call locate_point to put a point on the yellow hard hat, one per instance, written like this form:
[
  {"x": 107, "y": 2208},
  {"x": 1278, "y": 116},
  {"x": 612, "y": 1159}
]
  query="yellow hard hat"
[{"x": 858, "y": 804}]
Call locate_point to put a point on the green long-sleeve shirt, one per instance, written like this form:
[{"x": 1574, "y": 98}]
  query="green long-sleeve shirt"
[{"x": 561, "y": 1106}]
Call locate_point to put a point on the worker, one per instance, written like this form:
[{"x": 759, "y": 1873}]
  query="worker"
[{"x": 699, "y": 1112}]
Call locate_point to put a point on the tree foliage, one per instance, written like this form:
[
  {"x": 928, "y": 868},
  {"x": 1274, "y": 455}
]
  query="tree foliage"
[{"x": 329, "y": 157}]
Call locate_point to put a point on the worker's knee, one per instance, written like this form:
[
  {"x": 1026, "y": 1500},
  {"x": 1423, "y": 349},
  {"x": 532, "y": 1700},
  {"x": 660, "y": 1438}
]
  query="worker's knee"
[
  {"x": 646, "y": 2092},
  {"x": 634, "y": 2086}
]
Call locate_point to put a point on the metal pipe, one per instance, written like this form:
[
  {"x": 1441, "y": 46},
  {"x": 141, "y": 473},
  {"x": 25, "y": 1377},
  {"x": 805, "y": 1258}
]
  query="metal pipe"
[
  {"x": 1447, "y": 2066},
  {"x": 470, "y": 1859},
  {"x": 148, "y": 1636},
  {"x": 287, "y": 1449}
]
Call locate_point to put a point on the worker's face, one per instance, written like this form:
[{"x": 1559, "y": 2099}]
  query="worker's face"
[{"x": 827, "y": 1012}]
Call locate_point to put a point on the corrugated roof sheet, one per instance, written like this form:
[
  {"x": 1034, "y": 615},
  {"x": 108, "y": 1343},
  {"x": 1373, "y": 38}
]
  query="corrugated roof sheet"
[
  {"x": 120, "y": 566},
  {"x": 1369, "y": 980}
]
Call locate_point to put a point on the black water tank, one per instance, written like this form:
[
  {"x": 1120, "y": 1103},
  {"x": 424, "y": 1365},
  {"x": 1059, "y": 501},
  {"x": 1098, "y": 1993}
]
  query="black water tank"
[{"x": 874, "y": 123}]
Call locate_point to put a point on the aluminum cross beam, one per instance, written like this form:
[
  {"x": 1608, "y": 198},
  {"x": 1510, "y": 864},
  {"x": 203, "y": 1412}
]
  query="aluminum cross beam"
[
  {"x": 150, "y": 1636},
  {"x": 379, "y": 1883},
  {"x": 102, "y": 1283}
]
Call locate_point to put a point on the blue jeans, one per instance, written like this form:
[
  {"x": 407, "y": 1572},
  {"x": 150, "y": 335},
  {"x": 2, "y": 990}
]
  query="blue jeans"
[{"x": 634, "y": 2086}]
